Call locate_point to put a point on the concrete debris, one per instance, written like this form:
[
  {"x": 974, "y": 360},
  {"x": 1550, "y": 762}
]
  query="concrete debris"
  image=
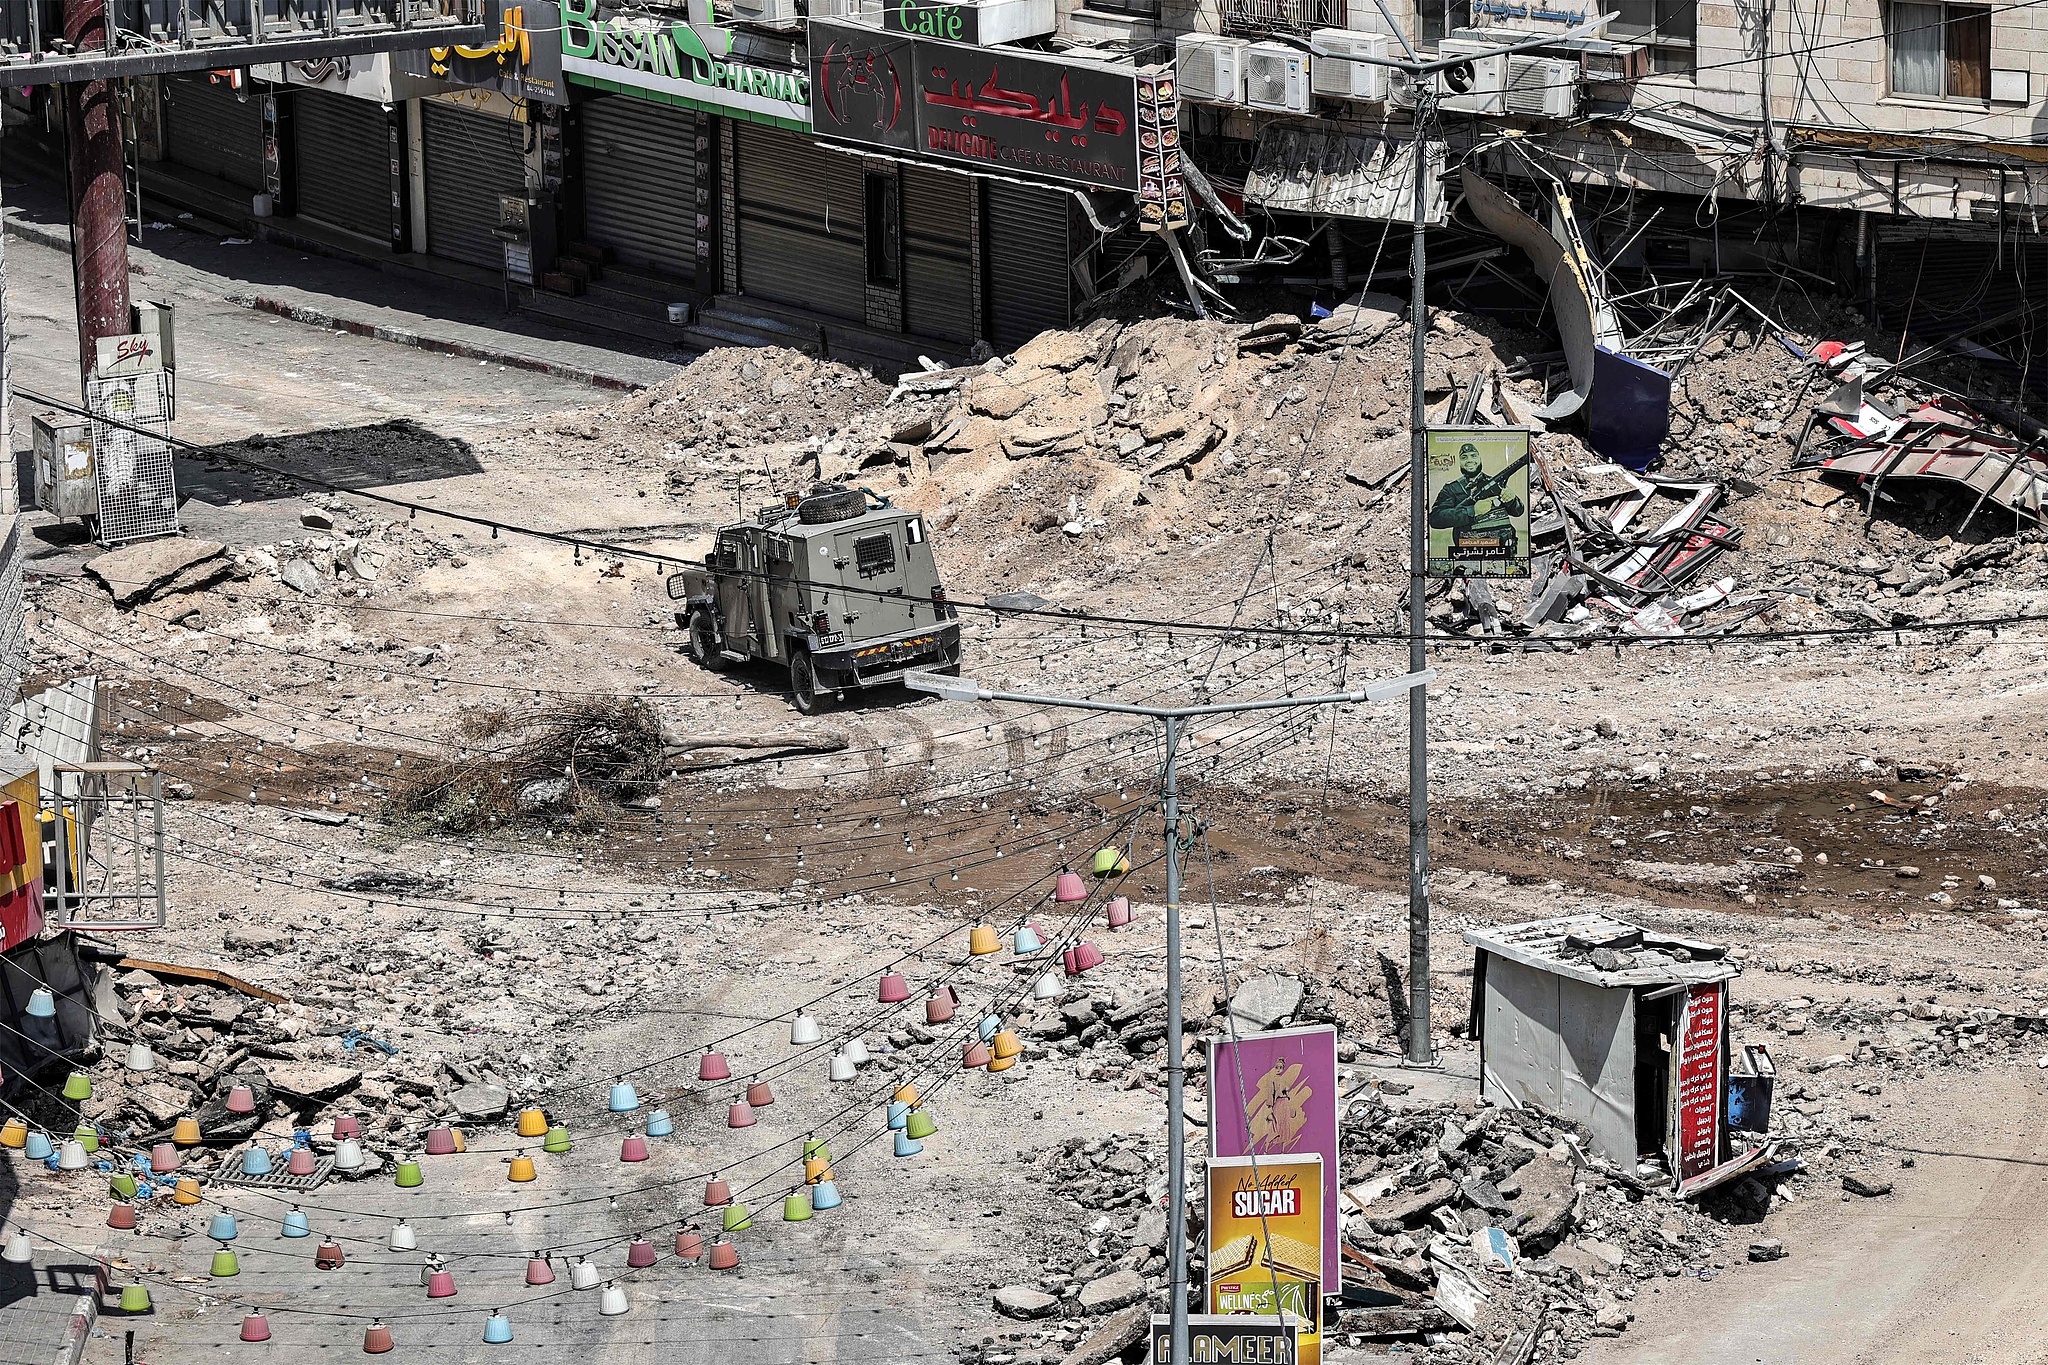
[
  {"x": 1018, "y": 1301},
  {"x": 151, "y": 569},
  {"x": 1265, "y": 1002}
]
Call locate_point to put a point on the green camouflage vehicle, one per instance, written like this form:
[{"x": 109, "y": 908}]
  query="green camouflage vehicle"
[{"x": 837, "y": 585}]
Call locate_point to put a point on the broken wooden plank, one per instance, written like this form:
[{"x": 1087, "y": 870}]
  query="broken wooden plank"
[{"x": 210, "y": 975}]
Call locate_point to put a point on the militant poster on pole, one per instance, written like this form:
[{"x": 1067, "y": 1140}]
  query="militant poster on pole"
[
  {"x": 1275, "y": 1094},
  {"x": 1478, "y": 493},
  {"x": 1266, "y": 1242}
]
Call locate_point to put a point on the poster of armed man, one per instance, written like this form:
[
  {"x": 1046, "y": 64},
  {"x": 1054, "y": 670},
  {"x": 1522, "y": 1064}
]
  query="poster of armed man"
[{"x": 1478, "y": 497}]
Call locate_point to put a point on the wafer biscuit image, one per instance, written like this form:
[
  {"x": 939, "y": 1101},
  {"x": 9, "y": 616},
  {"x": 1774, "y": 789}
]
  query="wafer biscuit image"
[
  {"x": 1234, "y": 1255},
  {"x": 1290, "y": 1257}
]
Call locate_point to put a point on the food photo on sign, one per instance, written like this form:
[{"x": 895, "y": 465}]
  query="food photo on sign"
[
  {"x": 1265, "y": 1231},
  {"x": 1478, "y": 497},
  {"x": 1275, "y": 1094}
]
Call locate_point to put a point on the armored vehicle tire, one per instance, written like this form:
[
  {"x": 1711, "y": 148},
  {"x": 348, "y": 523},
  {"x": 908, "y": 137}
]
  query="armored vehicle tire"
[
  {"x": 703, "y": 643},
  {"x": 821, "y": 509},
  {"x": 810, "y": 698}
]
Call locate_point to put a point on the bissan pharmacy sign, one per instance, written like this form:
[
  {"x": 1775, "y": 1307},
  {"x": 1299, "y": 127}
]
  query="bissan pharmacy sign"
[{"x": 687, "y": 59}]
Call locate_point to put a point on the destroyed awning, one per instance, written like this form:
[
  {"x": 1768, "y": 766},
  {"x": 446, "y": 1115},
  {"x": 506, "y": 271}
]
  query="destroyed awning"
[
  {"x": 1688, "y": 124},
  {"x": 1564, "y": 947},
  {"x": 1325, "y": 172}
]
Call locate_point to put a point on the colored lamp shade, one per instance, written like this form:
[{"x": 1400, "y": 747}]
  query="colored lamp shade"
[
  {"x": 717, "y": 1193},
  {"x": 497, "y": 1329},
  {"x": 796, "y": 1207},
  {"x": 14, "y": 1133},
  {"x": 186, "y": 1191},
  {"x": 224, "y": 1264},
  {"x": 640, "y": 1254},
  {"x": 1119, "y": 909},
  {"x": 441, "y": 1285},
  {"x": 255, "y": 1161},
  {"x": 329, "y": 1256},
  {"x": 521, "y": 1170},
  {"x": 893, "y": 989},
  {"x": 738, "y": 1218},
  {"x": 221, "y": 1227},
  {"x": 760, "y": 1095},
  {"x": 906, "y": 1145},
  {"x": 723, "y": 1256},
  {"x": 804, "y": 1031},
  {"x": 377, "y": 1340},
  {"x": 740, "y": 1115},
  {"x": 988, "y": 1027},
  {"x": 440, "y": 1141},
  {"x": 538, "y": 1271},
  {"x": 241, "y": 1100},
  {"x": 1083, "y": 957},
  {"x": 712, "y": 1066},
  {"x": 533, "y": 1123},
  {"x": 134, "y": 1298},
  {"x": 825, "y": 1195},
  {"x": 1006, "y": 1044},
  {"x": 899, "y": 1114},
  {"x": 634, "y": 1148},
  {"x": 403, "y": 1237},
  {"x": 920, "y": 1124},
  {"x": 42, "y": 1004},
  {"x": 256, "y": 1327},
  {"x": 938, "y": 1010},
  {"x": 817, "y": 1168},
  {"x": 1110, "y": 862},
  {"x": 409, "y": 1175},
  {"x": 348, "y": 1126},
  {"x": 1069, "y": 888},
  {"x": 690, "y": 1245},
  {"x": 976, "y": 1055},
  {"x": 1026, "y": 941},
  {"x": 301, "y": 1162},
  {"x": 37, "y": 1146},
  {"x": 659, "y": 1124},
  {"x": 163, "y": 1158},
  {"x": 295, "y": 1225},
  {"x": 121, "y": 1215},
  {"x": 557, "y": 1140},
  {"x": 78, "y": 1086},
  {"x": 88, "y": 1137},
  {"x": 624, "y": 1098},
  {"x": 186, "y": 1132},
  {"x": 982, "y": 940},
  {"x": 122, "y": 1186},
  {"x": 906, "y": 1093}
]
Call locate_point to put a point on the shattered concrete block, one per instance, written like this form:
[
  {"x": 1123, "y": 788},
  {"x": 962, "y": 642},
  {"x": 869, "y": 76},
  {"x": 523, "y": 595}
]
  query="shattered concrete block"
[
  {"x": 1118, "y": 1289},
  {"x": 1018, "y": 1301},
  {"x": 139, "y": 573}
]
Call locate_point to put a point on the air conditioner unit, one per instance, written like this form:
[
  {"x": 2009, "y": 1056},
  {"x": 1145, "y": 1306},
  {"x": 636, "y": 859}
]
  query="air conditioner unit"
[
  {"x": 848, "y": 11},
  {"x": 1344, "y": 79},
  {"x": 1489, "y": 74},
  {"x": 1276, "y": 77},
  {"x": 1211, "y": 68},
  {"x": 767, "y": 13},
  {"x": 1615, "y": 63},
  {"x": 1400, "y": 89},
  {"x": 1546, "y": 87}
]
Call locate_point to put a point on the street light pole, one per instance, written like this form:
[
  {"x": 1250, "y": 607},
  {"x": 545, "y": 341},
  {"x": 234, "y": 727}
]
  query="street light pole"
[
  {"x": 1175, "y": 719},
  {"x": 1419, "y": 1049}
]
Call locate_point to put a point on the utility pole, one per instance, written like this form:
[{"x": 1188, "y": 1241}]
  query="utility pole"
[
  {"x": 1174, "y": 719},
  {"x": 10, "y": 482},
  {"x": 97, "y": 157},
  {"x": 1420, "y": 1050}
]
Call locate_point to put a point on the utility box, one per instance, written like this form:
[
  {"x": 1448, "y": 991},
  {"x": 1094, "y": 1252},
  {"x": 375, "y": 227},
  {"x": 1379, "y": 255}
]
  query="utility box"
[
  {"x": 1621, "y": 1029},
  {"x": 62, "y": 452}
]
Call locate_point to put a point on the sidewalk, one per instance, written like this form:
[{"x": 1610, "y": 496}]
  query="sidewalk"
[
  {"x": 408, "y": 307},
  {"x": 47, "y": 1309}
]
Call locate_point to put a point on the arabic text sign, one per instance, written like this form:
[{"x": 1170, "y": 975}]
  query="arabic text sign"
[
  {"x": 524, "y": 60},
  {"x": 1478, "y": 492},
  {"x": 1275, "y": 1094},
  {"x": 1220, "y": 1339},
  {"x": 1699, "y": 1081},
  {"x": 1265, "y": 1228},
  {"x": 992, "y": 108},
  {"x": 676, "y": 57}
]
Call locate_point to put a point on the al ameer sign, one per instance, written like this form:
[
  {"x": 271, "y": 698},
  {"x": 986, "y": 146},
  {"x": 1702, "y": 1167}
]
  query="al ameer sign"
[{"x": 686, "y": 61}]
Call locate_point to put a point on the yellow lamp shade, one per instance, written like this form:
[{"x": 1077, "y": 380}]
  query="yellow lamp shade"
[
  {"x": 982, "y": 940},
  {"x": 1007, "y": 1044},
  {"x": 186, "y": 1134}
]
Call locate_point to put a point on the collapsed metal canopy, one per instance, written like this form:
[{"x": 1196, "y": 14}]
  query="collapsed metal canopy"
[{"x": 1563, "y": 947}]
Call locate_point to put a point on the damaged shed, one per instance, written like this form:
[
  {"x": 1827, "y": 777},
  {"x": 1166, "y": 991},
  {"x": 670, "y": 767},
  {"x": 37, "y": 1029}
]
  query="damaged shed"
[{"x": 1616, "y": 1028}]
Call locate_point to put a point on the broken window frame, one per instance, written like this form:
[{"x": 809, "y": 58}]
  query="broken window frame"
[{"x": 1669, "y": 28}]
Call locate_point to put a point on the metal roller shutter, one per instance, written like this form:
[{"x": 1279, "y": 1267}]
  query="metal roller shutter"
[
  {"x": 640, "y": 182},
  {"x": 800, "y": 236},
  {"x": 471, "y": 160},
  {"x": 210, "y": 131},
  {"x": 342, "y": 150},
  {"x": 1029, "y": 287},
  {"x": 938, "y": 249}
]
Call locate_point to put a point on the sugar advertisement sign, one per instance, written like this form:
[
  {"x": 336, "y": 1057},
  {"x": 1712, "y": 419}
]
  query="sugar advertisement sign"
[
  {"x": 1275, "y": 1094},
  {"x": 1265, "y": 1221},
  {"x": 1478, "y": 491}
]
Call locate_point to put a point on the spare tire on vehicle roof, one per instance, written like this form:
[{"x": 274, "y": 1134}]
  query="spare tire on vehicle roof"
[{"x": 829, "y": 503}]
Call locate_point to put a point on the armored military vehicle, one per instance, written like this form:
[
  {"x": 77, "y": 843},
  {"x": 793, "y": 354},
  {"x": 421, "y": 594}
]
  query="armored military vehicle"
[{"x": 836, "y": 585}]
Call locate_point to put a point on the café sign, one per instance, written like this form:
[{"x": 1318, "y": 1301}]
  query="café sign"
[
  {"x": 686, "y": 58},
  {"x": 989, "y": 108}
]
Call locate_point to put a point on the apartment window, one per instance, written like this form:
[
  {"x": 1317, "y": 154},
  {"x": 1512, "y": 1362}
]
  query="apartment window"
[
  {"x": 1940, "y": 52},
  {"x": 1141, "y": 9},
  {"x": 1667, "y": 27},
  {"x": 1439, "y": 18}
]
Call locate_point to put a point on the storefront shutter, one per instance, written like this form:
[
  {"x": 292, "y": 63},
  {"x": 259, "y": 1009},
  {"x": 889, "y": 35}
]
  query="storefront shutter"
[
  {"x": 210, "y": 131},
  {"x": 1029, "y": 287},
  {"x": 471, "y": 159},
  {"x": 640, "y": 182},
  {"x": 800, "y": 235},
  {"x": 938, "y": 252},
  {"x": 342, "y": 162}
]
